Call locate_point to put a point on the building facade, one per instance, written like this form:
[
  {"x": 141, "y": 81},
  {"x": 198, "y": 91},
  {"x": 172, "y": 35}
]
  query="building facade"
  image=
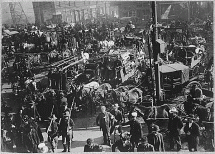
[
  {"x": 139, "y": 9},
  {"x": 184, "y": 10},
  {"x": 72, "y": 11}
]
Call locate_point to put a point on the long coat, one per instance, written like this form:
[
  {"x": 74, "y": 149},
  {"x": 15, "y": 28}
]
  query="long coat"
[
  {"x": 135, "y": 129},
  {"x": 194, "y": 133},
  {"x": 174, "y": 126},
  {"x": 104, "y": 120},
  {"x": 156, "y": 139}
]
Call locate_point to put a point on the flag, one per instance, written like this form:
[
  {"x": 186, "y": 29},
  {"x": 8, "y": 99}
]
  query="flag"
[{"x": 166, "y": 13}]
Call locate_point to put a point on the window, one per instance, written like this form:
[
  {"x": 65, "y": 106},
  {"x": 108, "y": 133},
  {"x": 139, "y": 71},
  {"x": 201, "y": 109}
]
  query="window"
[
  {"x": 132, "y": 13},
  {"x": 102, "y": 10}
]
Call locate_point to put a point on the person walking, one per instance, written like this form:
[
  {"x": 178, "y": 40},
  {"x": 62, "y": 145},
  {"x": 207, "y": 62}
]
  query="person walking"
[
  {"x": 104, "y": 121},
  {"x": 66, "y": 129},
  {"x": 135, "y": 130},
  {"x": 53, "y": 133},
  {"x": 192, "y": 132},
  {"x": 174, "y": 126},
  {"x": 117, "y": 120},
  {"x": 156, "y": 139}
]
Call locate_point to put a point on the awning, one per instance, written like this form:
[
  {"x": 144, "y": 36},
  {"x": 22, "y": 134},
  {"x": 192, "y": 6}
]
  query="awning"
[
  {"x": 172, "y": 68},
  {"x": 10, "y": 32}
]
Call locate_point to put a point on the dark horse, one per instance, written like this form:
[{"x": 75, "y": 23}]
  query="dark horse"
[{"x": 150, "y": 114}]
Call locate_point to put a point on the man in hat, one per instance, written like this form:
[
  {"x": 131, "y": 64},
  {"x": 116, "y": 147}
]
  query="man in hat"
[
  {"x": 135, "y": 130},
  {"x": 118, "y": 118},
  {"x": 174, "y": 126},
  {"x": 192, "y": 132},
  {"x": 156, "y": 139},
  {"x": 53, "y": 133},
  {"x": 66, "y": 127},
  {"x": 104, "y": 120}
]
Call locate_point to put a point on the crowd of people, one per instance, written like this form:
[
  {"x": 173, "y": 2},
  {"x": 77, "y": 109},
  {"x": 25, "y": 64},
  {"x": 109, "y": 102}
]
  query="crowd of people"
[{"x": 23, "y": 127}]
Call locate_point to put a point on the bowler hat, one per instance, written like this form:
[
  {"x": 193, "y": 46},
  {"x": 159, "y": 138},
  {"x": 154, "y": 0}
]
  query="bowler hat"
[{"x": 155, "y": 128}]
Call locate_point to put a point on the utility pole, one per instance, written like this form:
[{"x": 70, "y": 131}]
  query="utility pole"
[
  {"x": 156, "y": 52},
  {"x": 188, "y": 6}
]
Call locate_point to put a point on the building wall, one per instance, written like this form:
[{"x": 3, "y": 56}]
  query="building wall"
[
  {"x": 43, "y": 11},
  {"x": 139, "y": 9},
  {"x": 73, "y": 11},
  {"x": 6, "y": 15}
]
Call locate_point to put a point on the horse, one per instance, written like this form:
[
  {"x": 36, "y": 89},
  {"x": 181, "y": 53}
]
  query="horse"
[
  {"x": 30, "y": 85},
  {"x": 204, "y": 113},
  {"x": 150, "y": 114},
  {"x": 80, "y": 96},
  {"x": 101, "y": 92},
  {"x": 132, "y": 96},
  {"x": 53, "y": 56}
]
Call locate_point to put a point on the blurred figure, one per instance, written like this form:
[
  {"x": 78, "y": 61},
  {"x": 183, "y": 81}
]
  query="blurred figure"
[
  {"x": 104, "y": 120},
  {"x": 174, "y": 126},
  {"x": 53, "y": 133},
  {"x": 192, "y": 132},
  {"x": 156, "y": 139},
  {"x": 135, "y": 130},
  {"x": 144, "y": 146},
  {"x": 118, "y": 118}
]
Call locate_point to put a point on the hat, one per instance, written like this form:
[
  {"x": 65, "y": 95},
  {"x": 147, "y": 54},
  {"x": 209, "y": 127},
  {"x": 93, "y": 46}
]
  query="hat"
[
  {"x": 191, "y": 116},
  {"x": 134, "y": 114},
  {"x": 155, "y": 128},
  {"x": 66, "y": 114},
  {"x": 173, "y": 110}
]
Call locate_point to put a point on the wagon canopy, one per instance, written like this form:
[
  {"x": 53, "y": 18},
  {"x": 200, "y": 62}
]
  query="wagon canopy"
[{"x": 174, "y": 68}]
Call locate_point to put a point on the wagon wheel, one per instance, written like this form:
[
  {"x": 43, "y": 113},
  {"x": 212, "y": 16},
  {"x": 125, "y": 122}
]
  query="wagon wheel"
[{"x": 188, "y": 87}]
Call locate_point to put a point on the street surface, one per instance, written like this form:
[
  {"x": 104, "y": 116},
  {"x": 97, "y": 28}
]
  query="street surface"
[{"x": 84, "y": 128}]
